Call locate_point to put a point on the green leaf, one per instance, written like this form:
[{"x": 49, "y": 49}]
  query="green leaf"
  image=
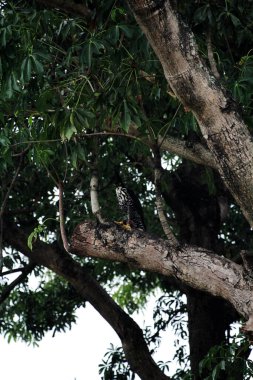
[
  {"x": 30, "y": 121},
  {"x": 9, "y": 91},
  {"x": 71, "y": 118},
  {"x": 74, "y": 159},
  {"x": 69, "y": 132},
  {"x": 89, "y": 54},
  {"x": 26, "y": 69},
  {"x": 3, "y": 37},
  {"x": 128, "y": 30},
  {"x": 126, "y": 117},
  {"x": 38, "y": 67},
  {"x": 34, "y": 235},
  {"x": 31, "y": 238},
  {"x": 81, "y": 153},
  {"x": 235, "y": 20},
  {"x": 14, "y": 82}
]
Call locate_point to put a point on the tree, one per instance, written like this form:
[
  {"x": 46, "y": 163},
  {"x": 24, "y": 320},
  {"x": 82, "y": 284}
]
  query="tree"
[{"x": 91, "y": 97}]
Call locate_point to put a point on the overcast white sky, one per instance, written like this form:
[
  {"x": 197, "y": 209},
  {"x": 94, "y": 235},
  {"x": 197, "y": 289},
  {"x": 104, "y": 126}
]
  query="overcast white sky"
[{"x": 73, "y": 355}]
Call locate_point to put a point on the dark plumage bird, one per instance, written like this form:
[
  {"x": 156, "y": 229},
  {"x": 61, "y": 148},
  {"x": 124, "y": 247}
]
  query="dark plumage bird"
[{"x": 130, "y": 205}]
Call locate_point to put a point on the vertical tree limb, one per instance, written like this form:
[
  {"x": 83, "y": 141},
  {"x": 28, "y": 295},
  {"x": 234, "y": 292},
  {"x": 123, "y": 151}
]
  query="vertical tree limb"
[
  {"x": 159, "y": 200},
  {"x": 61, "y": 217},
  {"x": 219, "y": 117},
  {"x": 95, "y": 207}
]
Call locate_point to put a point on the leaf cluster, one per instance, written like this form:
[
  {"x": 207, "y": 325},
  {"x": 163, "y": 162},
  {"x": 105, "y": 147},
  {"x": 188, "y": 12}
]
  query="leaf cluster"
[{"x": 29, "y": 314}]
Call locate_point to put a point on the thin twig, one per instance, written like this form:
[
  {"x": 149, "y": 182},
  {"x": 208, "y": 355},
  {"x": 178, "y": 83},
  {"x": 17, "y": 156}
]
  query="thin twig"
[
  {"x": 61, "y": 216},
  {"x": 66, "y": 159},
  {"x": 11, "y": 271},
  {"x": 159, "y": 200},
  {"x": 10, "y": 187},
  {"x": 83, "y": 135},
  {"x": 22, "y": 152},
  {"x": 169, "y": 125},
  {"x": 95, "y": 207}
]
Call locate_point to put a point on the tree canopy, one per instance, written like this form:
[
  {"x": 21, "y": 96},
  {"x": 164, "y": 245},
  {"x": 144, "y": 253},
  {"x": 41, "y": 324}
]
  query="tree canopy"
[{"x": 155, "y": 96}]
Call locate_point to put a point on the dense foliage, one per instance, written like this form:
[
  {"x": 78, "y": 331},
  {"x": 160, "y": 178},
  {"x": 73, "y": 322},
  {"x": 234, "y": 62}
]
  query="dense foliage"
[{"x": 73, "y": 93}]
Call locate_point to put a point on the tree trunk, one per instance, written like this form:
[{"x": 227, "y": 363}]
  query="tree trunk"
[
  {"x": 221, "y": 124},
  {"x": 199, "y": 215}
]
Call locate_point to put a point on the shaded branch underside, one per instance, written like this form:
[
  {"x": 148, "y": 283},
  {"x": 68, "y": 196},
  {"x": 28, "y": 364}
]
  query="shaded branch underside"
[{"x": 194, "y": 266}]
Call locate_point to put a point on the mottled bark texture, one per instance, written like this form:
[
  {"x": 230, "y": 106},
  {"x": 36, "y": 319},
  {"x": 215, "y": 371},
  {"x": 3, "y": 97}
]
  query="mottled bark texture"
[
  {"x": 219, "y": 119},
  {"x": 194, "y": 266}
]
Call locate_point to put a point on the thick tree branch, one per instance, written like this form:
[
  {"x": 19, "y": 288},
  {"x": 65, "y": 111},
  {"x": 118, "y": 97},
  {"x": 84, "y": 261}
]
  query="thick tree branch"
[
  {"x": 191, "y": 151},
  {"x": 220, "y": 122},
  {"x": 194, "y": 266},
  {"x": 133, "y": 343}
]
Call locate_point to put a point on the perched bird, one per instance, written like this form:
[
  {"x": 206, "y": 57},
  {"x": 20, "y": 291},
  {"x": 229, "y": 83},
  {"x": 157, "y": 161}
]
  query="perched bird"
[{"x": 130, "y": 205}]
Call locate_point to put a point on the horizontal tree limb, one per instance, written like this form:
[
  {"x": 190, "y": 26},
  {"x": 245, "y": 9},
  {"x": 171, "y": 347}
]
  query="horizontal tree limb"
[{"x": 194, "y": 266}]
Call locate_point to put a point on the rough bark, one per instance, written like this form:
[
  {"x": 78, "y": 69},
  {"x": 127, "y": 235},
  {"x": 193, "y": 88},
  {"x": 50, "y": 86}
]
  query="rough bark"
[
  {"x": 194, "y": 266},
  {"x": 220, "y": 122},
  {"x": 133, "y": 343}
]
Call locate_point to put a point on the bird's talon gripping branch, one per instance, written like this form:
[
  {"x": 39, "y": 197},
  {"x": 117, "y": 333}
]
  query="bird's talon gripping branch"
[{"x": 124, "y": 225}]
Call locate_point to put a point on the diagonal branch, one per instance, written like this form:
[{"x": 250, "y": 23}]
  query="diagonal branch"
[
  {"x": 192, "y": 151},
  {"x": 71, "y": 7},
  {"x": 218, "y": 115},
  {"x": 61, "y": 217},
  {"x": 8, "y": 289},
  {"x": 60, "y": 262}
]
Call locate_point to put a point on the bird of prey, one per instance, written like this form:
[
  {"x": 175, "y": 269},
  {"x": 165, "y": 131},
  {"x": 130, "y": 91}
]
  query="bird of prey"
[{"x": 130, "y": 205}]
